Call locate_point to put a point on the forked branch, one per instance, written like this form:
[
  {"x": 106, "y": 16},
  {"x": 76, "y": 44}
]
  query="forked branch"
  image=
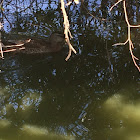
[
  {"x": 131, "y": 46},
  {"x": 66, "y": 30}
]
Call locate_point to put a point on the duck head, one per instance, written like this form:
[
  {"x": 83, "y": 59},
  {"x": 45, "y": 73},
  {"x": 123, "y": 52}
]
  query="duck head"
[{"x": 57, "y": 38}]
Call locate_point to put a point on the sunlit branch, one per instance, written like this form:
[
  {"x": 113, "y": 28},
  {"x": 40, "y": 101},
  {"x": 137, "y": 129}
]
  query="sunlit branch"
[
  {"x": 9, "y": 46},
  {"x": 121, "y": 43},
  {"x": 69, "y": 3},
  {"x": 1, "y": 51},
  {"x": 18, "y": 45},
  {"x": 12, "y": 50},
  {"x": 131, "y": 46},
  {"x": 1, "y": 44},
  {"x": 66, "y": 30},
  {"x": 135, "y": 26},
  {"x": 115, "y": 5}
]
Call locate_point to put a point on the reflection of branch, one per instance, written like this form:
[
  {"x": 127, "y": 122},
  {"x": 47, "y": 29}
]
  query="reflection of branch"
[
  {"x": 131, "y": 46},
  {"x": 66, "y": 30},
  {"x": 97, "y": 18},
  {"x": 27, "y": 7},
  {"x": 6, "y": 18}
]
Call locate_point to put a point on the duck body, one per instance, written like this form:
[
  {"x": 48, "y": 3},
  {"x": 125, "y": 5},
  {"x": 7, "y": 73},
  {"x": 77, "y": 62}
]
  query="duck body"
[{"x": 36, "y": 46}]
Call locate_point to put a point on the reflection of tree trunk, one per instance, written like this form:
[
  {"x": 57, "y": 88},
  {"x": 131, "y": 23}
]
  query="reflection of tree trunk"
[
  {"x": 130, "y": 11},
  {"x": 137, "y": 11},
  {"x": 104, "y": 4},
  {"x": 109, "y": 62}
]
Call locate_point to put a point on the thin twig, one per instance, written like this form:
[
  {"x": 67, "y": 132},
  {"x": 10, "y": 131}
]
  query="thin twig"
[
  {"x": 27, "y": 7},
  {"x": 135, "y": 26},
  {"x": 17, "y": 45},
  {"x": 115, "y": 4},
  {"x": 121, "y": 43},
  {"x": 12, "y": 50},
  {"x": 97, "y": 18},
  {"x": 6, "y": 19}
]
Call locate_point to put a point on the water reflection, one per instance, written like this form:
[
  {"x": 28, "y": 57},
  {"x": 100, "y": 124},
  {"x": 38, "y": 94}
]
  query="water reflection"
[
  {"x": 35, "y": 132},
  {"x": 45, "y": 97},
  {"x": 95, "y": 95},
  {"x": 126, "y": 117},
  {"x": 4, "y": 123}
]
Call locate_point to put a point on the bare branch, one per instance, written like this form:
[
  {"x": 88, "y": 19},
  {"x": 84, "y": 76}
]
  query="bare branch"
[
  {"x": 12, "y": 50},
  {"x": 1, "y": 44},
  {"x": 135, "y": 26},
  {"x": 121, "y": 43},
  {"x": 18, "y": 45},
  {"x": 66, "y": 30},
  {"x": 69, "y": 3},
  {"x": 1, "y": 51},
  {"x": 131, "y": 46},
  {"x": 115, "y": 4}
]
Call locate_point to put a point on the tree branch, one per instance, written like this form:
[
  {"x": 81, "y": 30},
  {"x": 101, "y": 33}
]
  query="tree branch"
[
  {"x": 131, "y": 46},
  {"x": 66, "y": 30}
]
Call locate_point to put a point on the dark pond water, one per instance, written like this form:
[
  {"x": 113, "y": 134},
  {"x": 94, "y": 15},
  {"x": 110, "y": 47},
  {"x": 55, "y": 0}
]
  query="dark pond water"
[
  {"x": 43, "y": 97},
  {"x": 93, "y": 96}
]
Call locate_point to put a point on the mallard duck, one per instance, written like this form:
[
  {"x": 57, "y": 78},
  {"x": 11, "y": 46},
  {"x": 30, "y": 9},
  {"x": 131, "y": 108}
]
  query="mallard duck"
[
  {"x": 53, "y": 44},
  {"x": 37, "y": 46}
]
